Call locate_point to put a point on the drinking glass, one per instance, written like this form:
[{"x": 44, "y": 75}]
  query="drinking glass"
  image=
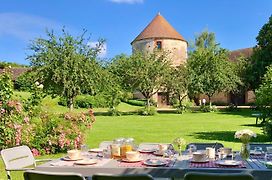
[{"x": 84, "y": 150}]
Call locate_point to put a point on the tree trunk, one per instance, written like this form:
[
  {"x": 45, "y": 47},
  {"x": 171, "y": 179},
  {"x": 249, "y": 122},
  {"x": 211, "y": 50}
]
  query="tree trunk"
[
  {"x": 180, "y": 101},
  {"x": 210, "y": 101},
  {"x": 71, "y": 103},
  {"x": 148, "y": 102}
]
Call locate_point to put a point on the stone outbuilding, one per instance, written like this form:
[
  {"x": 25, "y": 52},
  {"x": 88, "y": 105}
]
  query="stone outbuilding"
[{"x": 159, "y": 34}]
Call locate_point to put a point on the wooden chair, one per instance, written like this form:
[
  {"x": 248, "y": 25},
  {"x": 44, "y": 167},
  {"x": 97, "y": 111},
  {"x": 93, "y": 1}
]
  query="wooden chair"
[
  {"x": 217, "y": 176},
  {"x": 122, "y": 177},
  {"x": 18, "y": 159},
  {"x": 203, "y": 146},
  {"x": 42, "y": 175}
]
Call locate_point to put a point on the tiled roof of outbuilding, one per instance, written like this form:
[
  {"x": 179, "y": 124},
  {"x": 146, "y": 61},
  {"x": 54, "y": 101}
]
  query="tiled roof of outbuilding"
[{"x": 159, "y": 28}]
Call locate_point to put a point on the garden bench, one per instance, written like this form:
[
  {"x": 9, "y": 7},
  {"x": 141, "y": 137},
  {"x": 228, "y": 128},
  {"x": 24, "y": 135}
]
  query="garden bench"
[{"x": 259, "y": 116}]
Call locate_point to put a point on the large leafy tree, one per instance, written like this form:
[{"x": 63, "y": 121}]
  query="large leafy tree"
[
  {"x": 210, "y": 71},
  {"x": 143, "y": 72},
  {"x": 177, "y": 83},
  {"x": 66, "y": 65},
  {"x": 262, "y": 54}
]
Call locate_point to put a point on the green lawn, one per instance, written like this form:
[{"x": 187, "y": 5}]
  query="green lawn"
[{"x": 193, "y": 127}]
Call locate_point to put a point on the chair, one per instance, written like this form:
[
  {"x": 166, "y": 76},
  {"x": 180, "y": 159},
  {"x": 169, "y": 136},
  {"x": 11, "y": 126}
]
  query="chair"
[
  {"x": 154, "y": 145},
  {"x": 105, "y": 144},
  {"x": 203, "y": 146},
  {"x": 18, "y": 159},
  {"x": 122, "y": 177},
  {"x": 217, "y": 176},
  {"x": 262, "y": 145},
  {"x": 42, "y": 175}
]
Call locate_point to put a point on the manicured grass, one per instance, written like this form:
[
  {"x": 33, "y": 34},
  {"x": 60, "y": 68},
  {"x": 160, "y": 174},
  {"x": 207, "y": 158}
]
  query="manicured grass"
[{"x": 193, "y": 127}]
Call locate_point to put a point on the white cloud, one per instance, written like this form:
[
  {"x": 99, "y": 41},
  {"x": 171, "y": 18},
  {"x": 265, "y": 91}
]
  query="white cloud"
[
  {"x": 23, "y": 26},
  {"x": 103, "y": 51},
  {"x": 127, "y": 1}
]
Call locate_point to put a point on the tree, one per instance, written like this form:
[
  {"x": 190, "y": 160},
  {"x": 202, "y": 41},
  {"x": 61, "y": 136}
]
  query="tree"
[
  {"x": 210, "y": 71},
  {"x": 178, "y": 83},
  {"x": 262, "y": 54},
  {"x": 66, "y": 65},
  {"x": 143, "y": 72}
]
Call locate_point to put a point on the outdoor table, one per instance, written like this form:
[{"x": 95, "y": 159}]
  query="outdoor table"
[{"x": 176, "y": 168}]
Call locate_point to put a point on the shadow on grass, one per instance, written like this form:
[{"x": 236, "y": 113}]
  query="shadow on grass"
[
  {"x": 225, "y": 136},
  {"x": 252, "y": 125}
]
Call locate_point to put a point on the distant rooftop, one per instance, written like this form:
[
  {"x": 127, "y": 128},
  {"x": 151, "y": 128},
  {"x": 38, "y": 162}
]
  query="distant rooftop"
[
  {"x": 245, "y": 52},
  {"x": 159, "y": 28}
]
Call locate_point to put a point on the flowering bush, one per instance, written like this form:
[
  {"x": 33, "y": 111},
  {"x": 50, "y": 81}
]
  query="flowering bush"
[{"x": 245, "y": 135}]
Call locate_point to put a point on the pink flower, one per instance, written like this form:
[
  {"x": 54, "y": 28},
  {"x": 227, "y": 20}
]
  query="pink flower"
[
  {"x": 35, "y": 152},
  {"x": 26, "y": 120}
]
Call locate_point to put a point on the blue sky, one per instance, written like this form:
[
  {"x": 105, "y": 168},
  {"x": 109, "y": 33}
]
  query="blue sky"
[{"x": 236, "y": 23}]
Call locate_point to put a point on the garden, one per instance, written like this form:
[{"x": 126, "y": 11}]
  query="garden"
[{"x": 69, "y": 97}]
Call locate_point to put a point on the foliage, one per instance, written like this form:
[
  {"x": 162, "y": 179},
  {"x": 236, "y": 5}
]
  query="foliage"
[
  {"x": 25, "y": 81},
  {"x": 4, "y": 64},
  {"x": 114, "y": 112},
  {"x": 210, "y": 71},
  {"x": 264, "y": 94},
  {"x": 148, "y": 111},
  {"x": 87, "y": 101},
  {"x": 33, "y": 103},
  {"x": 143, "y": 72},
  {"x": 232, "y": 107},
  {"x": 262, "y": 54},
  {"x": 267, "y": 128},
  {"x": 136, "y": 102},
  {"x": 65, "y": 65},
  {"x": 6, "y": 86},
  {"x": 177, "y": 85},
  {"x": 207, "y": 108},
  {"x": 111, "y": 89}
]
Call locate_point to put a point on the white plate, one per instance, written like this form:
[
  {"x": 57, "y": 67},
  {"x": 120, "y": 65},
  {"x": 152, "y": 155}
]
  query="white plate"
[
  {"x": 158, "y": 153},
  {"x": 154, "y": 162},
  {"x": 228, "y": 162},
  {"x": 256, "y": 152},
  {"x": 131, "y": 161},
  {"x": 146, "y": 150},
  {"x": 202, "y": 161},
  {"x": 86, "y": 162},
  {"x": 96, "y": 150},
  {"x": 69, "y": 159}
]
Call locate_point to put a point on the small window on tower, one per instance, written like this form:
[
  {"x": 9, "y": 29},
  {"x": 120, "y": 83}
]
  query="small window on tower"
[{"x": 159, "y": 44}]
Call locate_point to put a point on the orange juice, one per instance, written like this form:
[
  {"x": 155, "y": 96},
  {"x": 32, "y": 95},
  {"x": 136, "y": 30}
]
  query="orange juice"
[
  {"x": 115, "y": 151},
  {"x": 125, "y": 148}
]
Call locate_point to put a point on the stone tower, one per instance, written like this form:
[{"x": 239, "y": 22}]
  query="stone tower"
[{"x": 160, "y": 34}]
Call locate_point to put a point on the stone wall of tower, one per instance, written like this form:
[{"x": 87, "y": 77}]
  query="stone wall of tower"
[{"x": 177, "y": 48}]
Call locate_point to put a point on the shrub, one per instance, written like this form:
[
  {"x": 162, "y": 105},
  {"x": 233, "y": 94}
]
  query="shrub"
[
  {"x": 267, "y": 128},
  {"x": 114, "y": 112},
  {"x": 25, "y": 81},
  {"x": 232, "y": 107},
  {"x": 87, "y": 101},
  {"x": 207, "y": 108},
  {"x": 136, "y": 102},
  {"x": 148, "y": 111}
]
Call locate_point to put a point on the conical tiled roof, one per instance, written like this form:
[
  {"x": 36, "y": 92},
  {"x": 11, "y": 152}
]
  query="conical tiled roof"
[{"x": 159, "y": 28}]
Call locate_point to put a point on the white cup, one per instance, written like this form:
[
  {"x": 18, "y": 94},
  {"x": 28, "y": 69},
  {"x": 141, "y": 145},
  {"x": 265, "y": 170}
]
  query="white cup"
[
  {"x": 74, "y": 154},
  {"x": 225, "y": 151},
  {"x": 210, "y": 152},
  {"x": 199, "y": 156},
  {"x": 132, "y": 155}
]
